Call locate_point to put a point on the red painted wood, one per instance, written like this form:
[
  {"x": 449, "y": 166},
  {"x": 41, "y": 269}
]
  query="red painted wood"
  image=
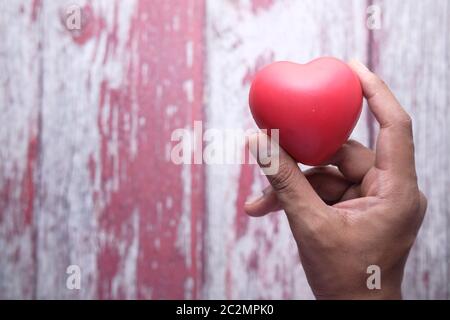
[
  {"x": 166, "y": 199},
  {"x": 104, "y": 194},
  {"x": 19, "y": 146}
]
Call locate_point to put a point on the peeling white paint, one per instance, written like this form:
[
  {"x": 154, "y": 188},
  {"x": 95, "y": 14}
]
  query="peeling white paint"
[
  {"x": 176, "y": 23},
  {"x": 188, "y": 87},
  {"x": 169, "y": 202},
  {"x": 183, "y": 240},
  {"x": 124, "y": 284},
  {"x": 171, "y": 110},
  {"x": 19, "y": 89},
  {"x": 157, "y": 243},
  {"x": 188, "y": 288},
  {"x": 189, "y": 53},
  {"x": 66, "y": 213}
]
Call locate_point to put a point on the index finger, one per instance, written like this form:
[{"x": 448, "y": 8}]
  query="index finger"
[{"x": 395, "y": 147}]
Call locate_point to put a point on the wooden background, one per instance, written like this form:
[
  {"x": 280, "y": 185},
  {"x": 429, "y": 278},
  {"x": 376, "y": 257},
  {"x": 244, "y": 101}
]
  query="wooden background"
[{"x": 86, "y": 119}]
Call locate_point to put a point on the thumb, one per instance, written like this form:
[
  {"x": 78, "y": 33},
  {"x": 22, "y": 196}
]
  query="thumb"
[{"x": 295, "y": 194}]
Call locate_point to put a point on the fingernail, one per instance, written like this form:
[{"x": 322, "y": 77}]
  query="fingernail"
[
  {"x": 261, "y": 148},
  {"x": 359, "y": 64},
  {"x": 254, "y": 198}
]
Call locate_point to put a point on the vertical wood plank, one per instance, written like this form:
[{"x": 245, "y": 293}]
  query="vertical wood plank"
[
  {"x": 69, "y": 201},
  {"x": 166, "y": 81},
  {"x": 20, "y": 95},
  {"x": 412, "y": 55},
  {"x": 110, "y": 200},
  {"x": 258, "y": 258}
]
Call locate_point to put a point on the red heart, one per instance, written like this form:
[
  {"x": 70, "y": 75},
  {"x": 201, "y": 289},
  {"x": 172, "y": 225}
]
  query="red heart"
[{"x": 315, "y": 106}]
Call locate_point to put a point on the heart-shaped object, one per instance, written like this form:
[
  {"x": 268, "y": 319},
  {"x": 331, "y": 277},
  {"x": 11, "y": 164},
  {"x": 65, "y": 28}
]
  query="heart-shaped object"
[{"x": 315, "y": 106}]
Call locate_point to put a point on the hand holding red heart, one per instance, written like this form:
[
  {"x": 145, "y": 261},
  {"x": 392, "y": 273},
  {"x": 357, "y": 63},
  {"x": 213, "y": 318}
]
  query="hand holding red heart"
[{"x": 364, "y": 210}]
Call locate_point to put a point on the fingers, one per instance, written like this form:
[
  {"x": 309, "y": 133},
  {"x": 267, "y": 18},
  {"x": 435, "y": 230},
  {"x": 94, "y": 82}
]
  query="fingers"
[
  {"x": 354, "y": 160},
  {"x": 328, "y": 183},
  {"x": 381, "y": 101},
  {"x": 293, "y": 191},
  {"x": 266, "y": 203},
  {"x": 395, "y": 149}
]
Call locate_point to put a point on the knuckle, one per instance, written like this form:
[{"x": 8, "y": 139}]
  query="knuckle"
[
  {"x": 376, "y": 82},
  {"x": 423, "y": 204},
  {"x": 406, "y": 122},
  {"x": 402, "y": 122},
  {"x": 283, "y": 180},
  {"x": 412, "y": 199}
]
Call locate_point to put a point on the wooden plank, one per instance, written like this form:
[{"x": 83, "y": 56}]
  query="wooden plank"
[
  {"x": 168, "y": 79},
  {"x": 110, "y": 201},
  {"x": 75, "y": 66},
  {"x": 20, "y": 63},
  {"x": 412, "y": 55},
  {"x": 258, "y": 258}
]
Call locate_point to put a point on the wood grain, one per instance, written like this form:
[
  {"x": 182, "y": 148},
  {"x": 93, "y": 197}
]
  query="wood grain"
[
  {"x": 411, "y": 53},
  {"x": 250, "y": 258},
  {"x": 106, "y": 196},
  {"x": 20, "y": 102},
  {"x": 85, "y": 138}
]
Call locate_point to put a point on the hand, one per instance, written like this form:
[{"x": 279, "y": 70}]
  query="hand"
[{"x": 365, "y": 211}]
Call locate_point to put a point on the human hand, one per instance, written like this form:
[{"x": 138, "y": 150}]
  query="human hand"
[{"x": 365, "y": 211}]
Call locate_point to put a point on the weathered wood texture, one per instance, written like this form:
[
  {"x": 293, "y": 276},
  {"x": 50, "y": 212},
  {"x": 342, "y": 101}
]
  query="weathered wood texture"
[
  {"x": 411, "y": 52},
  {"x": 87, "y": 118},
  {"x": 85, "y": 138},
  {"x": 20, "y": 34}
]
